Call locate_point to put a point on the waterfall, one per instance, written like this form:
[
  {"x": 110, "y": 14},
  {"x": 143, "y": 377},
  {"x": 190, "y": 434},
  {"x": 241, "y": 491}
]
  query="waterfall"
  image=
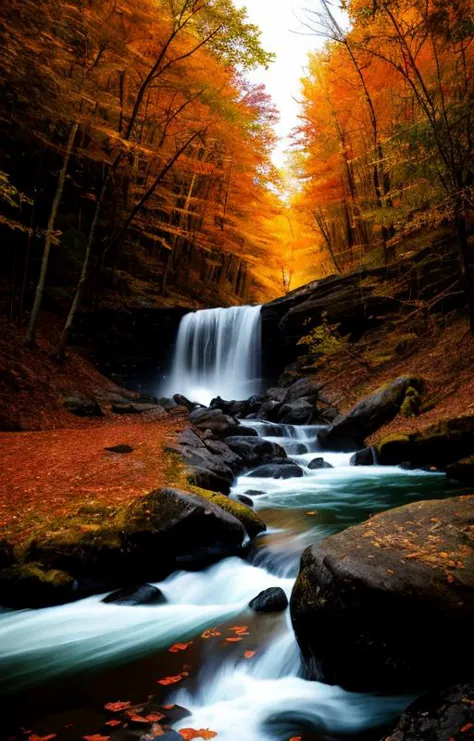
[{"x": 218, "y": 353}]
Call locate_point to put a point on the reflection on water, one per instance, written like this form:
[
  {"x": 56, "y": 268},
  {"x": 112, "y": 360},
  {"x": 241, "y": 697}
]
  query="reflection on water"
[{"x": 265, "y": 697}]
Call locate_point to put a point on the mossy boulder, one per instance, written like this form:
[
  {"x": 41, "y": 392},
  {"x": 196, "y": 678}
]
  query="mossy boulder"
[
  {"x": 146, "y": 540},
  {"x": 350, "y": 431},
  {"x": 388, "y": 605},
  {"x": 438, "y": 445},
  {"x": 252, "y": 523},
  {"x": 30, "y": 585}
]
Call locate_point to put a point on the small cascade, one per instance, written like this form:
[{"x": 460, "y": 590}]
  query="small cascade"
[{"x": 218, "y": 353}]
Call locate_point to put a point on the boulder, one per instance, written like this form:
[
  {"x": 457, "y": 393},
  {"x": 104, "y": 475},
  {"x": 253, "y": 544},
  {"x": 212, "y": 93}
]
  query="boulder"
[
  {"x": 286, "y": 470},
  {"x": 437, "y": 716},
  {"x": 166, "y": 403},
  {"x": 446, "y": 442},
  {"x": 295, "y": 448},
  {"x": 303, "y": 388},
  {"x": 252, "y": 523},
  {"x": 350, "y": 431},
  {"x": 245, "y": 500},
  {"x": 83, "y": 406},
  {"x": 254, "y": 493},
  {"x": 254, "y": 450},
  {"x": 145, "y": 594},
  {"x": 146, "y": 539},
  {"x": 389, "y": 605},
  {"x": 273, "y": 599},
  {"x": 136, "y": 407},
  {"x": 205, "y": 468},
  {"x": 239, "y": 430},
  {"x": 364, "y": 457},
  {"x": 32, "y": 585},
  {"x": 299, "y": 412},
  {"x": 212, "y": 419},
  {"x": 269, "y": 410},
  {"x": 182, "y": 401},
  {"x": 462, "y": 470},
  {"x": 318, "y": 463}
]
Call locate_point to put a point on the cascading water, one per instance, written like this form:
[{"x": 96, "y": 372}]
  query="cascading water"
[{"x": 217, "y": 354}]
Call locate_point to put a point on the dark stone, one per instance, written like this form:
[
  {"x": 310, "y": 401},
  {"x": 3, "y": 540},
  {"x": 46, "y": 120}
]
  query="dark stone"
[
  {"x": 277, "y": 393},
  {"x": 388, "y": 605},
  {"x": 317, "y": 463},
  {"x": 462, "y": 470},
  {"x": 136, "y": 407},
  {"x": 304, "y": 387},
  {"x": 121, "y": 449},
  {"x": 182, "y": 401},
  {"x": 299, "y": 412},
  {"x": 437, "y": 716},
  {"x": 273, "y": 599},
  {"x": 364, "y": 457},
  {"x": 240, "y": 431},
  {"x": 295, "y": 448},
  {"x": 212, "y": 419},
  {"x": 254, "y": 493},
  {"x": 83, "y": 406},
  {"x": 350, "y": 431},
  {"x": 254, "y": 450},
  {"x": 191, "y": 438},
  {"x": 145, "y": 594},
  {"x": 446, "y": 442},
  {"x": 269, "y": 410},
  {"x": 33, "y": 585},
  {"x": 245, "y": 500},
  {"x": 167, "y": 404},
  {"x": 230, "y": 459},
  {"x": 286, "y": 470}
]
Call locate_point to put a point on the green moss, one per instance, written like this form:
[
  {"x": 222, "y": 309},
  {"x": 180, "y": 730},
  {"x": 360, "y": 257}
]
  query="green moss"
[
  {"x": 35, "y": 572},
  {"x": 392, "y": 449},
  {"x": 411, "y": 406},
  {"x": 252, "y": 523}
]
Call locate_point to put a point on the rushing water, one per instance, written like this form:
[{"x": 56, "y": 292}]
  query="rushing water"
[
  {"x": 263, "y": 698},
  {"x": 217, "y": 354}
]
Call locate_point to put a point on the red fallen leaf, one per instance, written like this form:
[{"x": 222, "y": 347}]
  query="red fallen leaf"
[
  {"x": 450, "y": 578},
  {"x": 190, "y": 733},
  {"x": 180, "y": 647},
  {"x": 151, "y": 718},
  {"x": 168, "y": 707},
  {"x": 117, "y": 707},
  {"x": 211, "y": 633},
  {"x": 134, "y": 718},
  {"x": 467, "y": 727},
  {"x": 96, "y": 737},
  {"x": 295, "y": 738},
  {"x": 172, "y": 680},
  {"x": 35, "y": 737},
  {"x": 239, "y": 629},
  {"x": 249, "y": 654},
  {"x": 113, "y": 723},
  {"x": 234, "y": 639}
]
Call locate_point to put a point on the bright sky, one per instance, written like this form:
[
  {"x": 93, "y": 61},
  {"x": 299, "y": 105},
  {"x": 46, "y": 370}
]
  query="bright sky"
[{"x": 283, "y": 34}]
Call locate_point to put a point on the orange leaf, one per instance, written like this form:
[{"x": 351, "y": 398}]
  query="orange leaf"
[
  {"x": 180, "y": 647},
  {"x": 190, "y": 733},
  {"x": 172, "y": 680},
  {"x": 249, "y": 654},
  {"x": 239, "y": 629},
  {"x": 211, "y": 633},
  {"x": 154, "y": 717},
  {"x": 295, "y": 738},
  {"x": 112, "y": 723},
  {"x": 467, "y": 727},
  {"x": 96, "y": 737},
  {"x": 34, "y": 737},
  {"x": 168, "y": 707},
  {"x": 117, "y": 707},
  {"x": 234, "y": 639}
]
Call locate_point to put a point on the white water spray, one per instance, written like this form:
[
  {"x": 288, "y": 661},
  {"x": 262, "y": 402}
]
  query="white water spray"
[{"x": 217, "y": 354}]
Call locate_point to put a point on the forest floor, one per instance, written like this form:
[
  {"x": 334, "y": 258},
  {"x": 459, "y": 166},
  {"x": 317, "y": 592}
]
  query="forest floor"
[
  {"x": 441, "y": 350},
  {"x": 60, "y": 464}
]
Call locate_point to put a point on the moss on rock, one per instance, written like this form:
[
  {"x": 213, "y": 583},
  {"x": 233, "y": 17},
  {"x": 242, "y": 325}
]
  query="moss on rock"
[{"x": 252, "y": 523}]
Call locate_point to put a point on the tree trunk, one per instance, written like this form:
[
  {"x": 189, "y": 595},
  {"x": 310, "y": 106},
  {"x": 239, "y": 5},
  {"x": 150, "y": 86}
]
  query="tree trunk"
[
  {"x": 31, "y": 334},
  {"x": 467, "y": 265}
]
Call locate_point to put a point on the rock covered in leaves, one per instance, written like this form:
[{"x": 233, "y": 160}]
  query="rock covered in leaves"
[
  {"x": 438, "y": 716},
  {"x": 367, "y": 416},
  {"x": 273, "y": 599},
  {"x": 389, "y": 604}
]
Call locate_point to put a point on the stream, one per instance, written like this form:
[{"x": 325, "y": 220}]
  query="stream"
[{"x": 65, "y": 662}]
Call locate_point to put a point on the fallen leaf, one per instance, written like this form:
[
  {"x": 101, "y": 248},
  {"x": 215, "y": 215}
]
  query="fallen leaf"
[
  {"x": 35, "y": 737},
  {"x": 467, "y": 727},
  {"x": 117, "y": 707},
  {"x": 234, "y": 639},
  {"x": 239, "y": 629},
  {"x": 249, "y": 654},
  {"x": 168, "y": 707},
  {"x": 179, "y": 647},
  {"x": 295, "y": 738},
  {"x": 112, "y": 723},
  {"x": 96, "y": 737},
  {"x": 190, "y": 733},
  {"x": 173, "y": 679},
  {"x": 211, "y": 633}
]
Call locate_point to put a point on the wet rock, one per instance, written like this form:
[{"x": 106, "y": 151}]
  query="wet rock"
[
  {"x": 254, "y": 493},
  {"x": 147, "y": 539},
  {"x": 230, "y": 459},
  {"x": 189, "y": 437},
  {"x": 437, "y": 716},
  {"x": 295, "y": 448},
  {"x": 350, "y": 431},
  {"x": 462, "y": 470},
  {"x": 83, "y": 406},
  {"x": 145, "y": 594},
  {"x": 277, "y": 393},
  {"x": 212, "y": 419},
  {"x": 245, "y": 500},
  {"x": 305, "y": 388},
  {"x": 364, "y": 457},
  {"x": 270, "y": 600},
  {"x": 33, "y": 585},
  {"x": 254, "y": 450},
  {"x": 136, "y": 407},
  {"x": 205, "y": 468},
  {"x": 389, "y": 605},
  {"x": 285, "y": 470},
  {"x": 438, "y": 445},
  {"x": 166, "y": 403},
  {"x": 297, "y": 412},
  {"x": 120, "y": 449},
  {"x": 252, "y": 523},
  {"x": 317, "y": 463},
  {"x": 182, "y": 401},
  {"x": 269, "y": 410},
  {"x": 239, "y": 430}
]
